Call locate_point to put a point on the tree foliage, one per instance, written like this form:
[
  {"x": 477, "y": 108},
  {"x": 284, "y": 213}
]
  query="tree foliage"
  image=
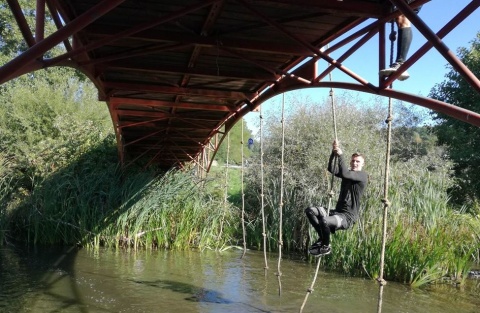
[
  {"x": 12, "y": 41},
  {"x": 461, "y": 139},
  {"x": 47, "y": 120}
]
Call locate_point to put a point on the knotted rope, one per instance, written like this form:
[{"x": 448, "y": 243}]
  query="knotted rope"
[
  {"x": 385, "y": 201},
  {"x": 330, "y": 193}
]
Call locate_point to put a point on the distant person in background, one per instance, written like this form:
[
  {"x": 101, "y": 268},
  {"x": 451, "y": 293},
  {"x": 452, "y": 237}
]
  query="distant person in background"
[
  {"x": 347, "y": 210},
  {"x": 403, "y": 44}
]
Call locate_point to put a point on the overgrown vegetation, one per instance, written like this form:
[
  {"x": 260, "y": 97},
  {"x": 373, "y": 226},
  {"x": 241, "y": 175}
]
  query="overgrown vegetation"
[
  {"x": 422, "y": 224},
  {"x": 60, "y": 182}
]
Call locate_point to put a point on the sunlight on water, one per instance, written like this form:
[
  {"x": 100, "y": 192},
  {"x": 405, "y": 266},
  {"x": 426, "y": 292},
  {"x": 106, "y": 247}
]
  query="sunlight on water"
[{"x": 49, "y": 280}]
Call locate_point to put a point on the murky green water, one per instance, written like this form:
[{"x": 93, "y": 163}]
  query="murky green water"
[{"x": 49, "y": 280}]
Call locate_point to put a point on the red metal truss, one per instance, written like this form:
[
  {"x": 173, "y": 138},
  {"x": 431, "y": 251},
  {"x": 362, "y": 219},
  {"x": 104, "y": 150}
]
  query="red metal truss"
[{"x": 177, "y": 75}]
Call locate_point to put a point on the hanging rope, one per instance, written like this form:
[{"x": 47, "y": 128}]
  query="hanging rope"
[
  {"x": 334, "y": 118},
  {"x": 243, "y": 198},
  {"x": 330, "y": 193},
  {"x": 310, "y": 290},
  {"x": 262, "y": 195},
  {"x": 386, "y": 202},
  {"x": 280, "y": 208},
  {"x": 225, "y": 188}
]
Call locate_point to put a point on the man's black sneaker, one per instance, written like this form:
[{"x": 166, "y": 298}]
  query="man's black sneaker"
[
  {"x": 317, "y": 243},
  {"x": 320, "y": 250}
]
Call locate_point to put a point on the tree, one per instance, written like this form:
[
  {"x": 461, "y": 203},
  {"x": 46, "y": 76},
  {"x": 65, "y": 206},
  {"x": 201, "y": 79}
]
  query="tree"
[
  {"x": 11, "y": 39},
  {"x": 412, "y": 134},
  {"x": 462, "y": 139}
]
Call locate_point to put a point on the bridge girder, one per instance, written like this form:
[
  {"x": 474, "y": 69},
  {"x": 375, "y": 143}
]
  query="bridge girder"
[{"x": 222, "y": 60}]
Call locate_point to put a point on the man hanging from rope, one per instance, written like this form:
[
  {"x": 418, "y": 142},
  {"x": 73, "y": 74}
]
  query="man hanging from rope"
[{"x": 346, "y": 212}]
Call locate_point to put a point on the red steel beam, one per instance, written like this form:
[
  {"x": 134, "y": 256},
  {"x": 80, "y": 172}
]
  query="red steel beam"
[
  {"x": 21, "y": 21},
  {"x": 58, "y": 22},
  {"x": 11, "y": 68},
  {"x": 129, "y": 32},
  {"x": 315, "y": 50},
  {"x": 40, "y": 21},
  {"x": 159, "y": 103},
  {"x": 348, "y": 53},
  {"x": 454, "y": 22},
  {"x": 179, "y": 90},
  {"x": 456, "y": 112},
  {"x": 438, "y": 43}
]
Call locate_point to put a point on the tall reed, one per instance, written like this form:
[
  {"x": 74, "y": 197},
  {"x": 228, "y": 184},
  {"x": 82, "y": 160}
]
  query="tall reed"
[
  {"x": 427, "y": 239},
  {"x": 94, "y": 206}
]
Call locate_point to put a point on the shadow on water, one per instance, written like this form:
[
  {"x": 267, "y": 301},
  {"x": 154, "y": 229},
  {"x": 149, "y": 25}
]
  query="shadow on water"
[
  {"x": 25, "y": 271},
  {"x": 197, "y": 294}
]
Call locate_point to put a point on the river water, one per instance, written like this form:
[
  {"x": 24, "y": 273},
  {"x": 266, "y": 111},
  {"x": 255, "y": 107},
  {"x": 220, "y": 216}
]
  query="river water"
[{"x": 105, "y": 280}]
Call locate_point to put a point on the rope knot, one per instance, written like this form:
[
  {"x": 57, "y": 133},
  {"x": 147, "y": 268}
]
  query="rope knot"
[
  {"x": 389, "y": 119},
  {"x": 310, "y": 290},
  {"x": 381, "y": 281},
  {"x": 331, "y": 194},
  {"x": 386, "y": 202},
  {"x": 393, "y": 36}
]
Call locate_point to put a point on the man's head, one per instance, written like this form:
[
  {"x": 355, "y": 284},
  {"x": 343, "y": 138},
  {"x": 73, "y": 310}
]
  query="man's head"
[{"x": 357, "y": 162}]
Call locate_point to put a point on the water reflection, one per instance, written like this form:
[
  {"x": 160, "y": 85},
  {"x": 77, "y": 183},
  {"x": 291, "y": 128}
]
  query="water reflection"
[{"x": 81, "y": 280}]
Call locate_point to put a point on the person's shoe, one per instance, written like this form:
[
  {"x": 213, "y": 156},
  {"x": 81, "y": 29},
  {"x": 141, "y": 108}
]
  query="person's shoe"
[
  {"x": 320, "y": 250},
  {"x": 317, "y": 243},
  {"x": 403, "y": 76},
  {"x": 392, "y": 69},
  {"x": 322, "y": 212}
]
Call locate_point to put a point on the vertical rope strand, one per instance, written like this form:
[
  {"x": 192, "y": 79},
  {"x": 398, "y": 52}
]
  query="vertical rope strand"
[
  {"x": 334, "y": 114},
  {"x": 243, "y": 196},
  {"x": 334, "y": 122},
  {"x": 331, "y": 192},
  {"x": 225, "y": 188},
  {"x": 386, "y": 203},
  {"x": 280, "y": 208},
  {"x": 310, "y": 290},
  {"x": 262, "y": 195}
]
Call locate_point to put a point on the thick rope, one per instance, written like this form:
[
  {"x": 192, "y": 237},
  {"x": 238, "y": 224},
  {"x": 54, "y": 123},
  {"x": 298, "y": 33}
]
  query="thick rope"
[
  {"x": 330, "y": 193},
  {"x": 262, "y": 195},
  {"x": 334, "y": 121},
  {"x": 310, "y": 290},
  {"x": 386, "y": 203},
  {"x": 243, "y": 198},
  {"x": 280, "y": 208}
]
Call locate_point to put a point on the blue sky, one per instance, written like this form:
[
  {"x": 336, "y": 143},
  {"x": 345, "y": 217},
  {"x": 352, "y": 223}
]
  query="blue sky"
[{"x": 424, "y": 74}]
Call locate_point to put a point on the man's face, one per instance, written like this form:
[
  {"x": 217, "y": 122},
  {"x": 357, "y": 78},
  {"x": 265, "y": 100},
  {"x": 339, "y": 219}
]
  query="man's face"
[{"x": 356, "y": 163}]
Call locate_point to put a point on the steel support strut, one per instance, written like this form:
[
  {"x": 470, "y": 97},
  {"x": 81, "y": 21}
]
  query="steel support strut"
[
  {"x": 10, "y": 69},
  {"x": 438, "y": 43}
]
